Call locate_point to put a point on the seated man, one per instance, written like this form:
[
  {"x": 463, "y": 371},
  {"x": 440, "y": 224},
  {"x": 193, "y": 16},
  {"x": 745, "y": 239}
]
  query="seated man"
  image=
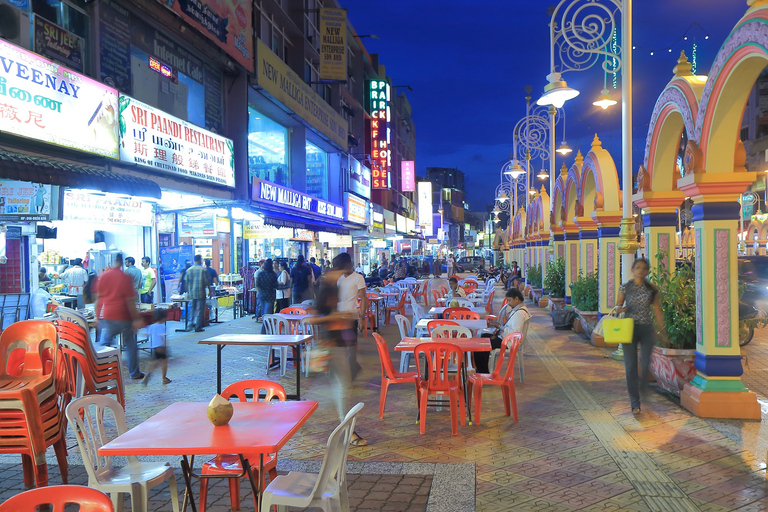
[
  {"x": 515, "y": 276},
  {"x": 517, "y": 314},
  {"x": 455, "y": 290}
]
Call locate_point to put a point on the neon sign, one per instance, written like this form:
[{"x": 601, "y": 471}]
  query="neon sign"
[
  {"x": 163, "y": 69},
  {"x": 381, "y": 158}
]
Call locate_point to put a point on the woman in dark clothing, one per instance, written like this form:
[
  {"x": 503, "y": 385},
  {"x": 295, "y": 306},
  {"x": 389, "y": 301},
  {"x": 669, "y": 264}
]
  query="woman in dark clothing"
[
  {"x": 302, "y": 280},
  {"x": 266, "y": 284},
  {"x": 639, "y": 300}
]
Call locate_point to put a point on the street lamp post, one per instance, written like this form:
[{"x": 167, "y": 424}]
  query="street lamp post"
[{"x": 581, "y": 32}]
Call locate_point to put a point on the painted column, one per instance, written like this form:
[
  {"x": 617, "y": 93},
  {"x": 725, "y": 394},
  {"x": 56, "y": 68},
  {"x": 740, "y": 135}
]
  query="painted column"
[
  {"x": 660, "y": 230},
  {"x": 717, "y": 390},
  {"x": 572, "y": 264},
  {"x": 587, "y": 245},
  {"x": 609, "y": 268}
]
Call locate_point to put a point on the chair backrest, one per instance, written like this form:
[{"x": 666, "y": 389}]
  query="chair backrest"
[
  {"x": 335, "y": 461},
  {"x": 509, "y": 345},
  {"x": 460, "y": 314},
  {"x": 28, "y": 347},
  {"x": 307, "y": 327},
  {"x": 275, "y": 324},
  {"x": 470, "y": 286},
  {"x": 401, "y": 300},
  {"x": 387, "y": 368},
  {"x": 70, "y": 315},
  {"x": 86, "y": 415},
  {"x": 449, "y": 310},
  {"x": 451, "y": 331},
  {"x": 436, "y": 295},
  {"x": 55, "y": 497},
  {"x": 437, "y": 357},
  {"x": 438, "y": 323},
  {"x": 404, "y": 324},
  {"x": 443, "y": 290},
  {"x": 490, "y": 283},
  {"x": 504, "y": 303},
  {"x": 489, "y": 305},
  {"x": 293, "y": 311},
  {"x": 240, "y": 388},
  {"x": 371, "y": 295}
]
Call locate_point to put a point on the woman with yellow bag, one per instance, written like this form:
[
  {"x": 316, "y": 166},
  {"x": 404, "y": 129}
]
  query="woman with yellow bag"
[{"x": 639, "y": 300}]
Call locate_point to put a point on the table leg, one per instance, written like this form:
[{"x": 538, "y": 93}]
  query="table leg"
[
  {"x": 298, "y": 373},
  {"x": 219, "y": 348},
  {"x": 186, "y": 471},
  {"x": 465, "y": 376},
  {"x": 256, "y": 487}
]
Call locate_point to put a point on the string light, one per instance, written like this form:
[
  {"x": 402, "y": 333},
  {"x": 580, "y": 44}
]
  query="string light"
[
  {"x": 686, "y": 35},
  {"x": 693, "y": 59}
]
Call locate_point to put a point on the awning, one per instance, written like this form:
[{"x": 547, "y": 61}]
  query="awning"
[
  {"x": 283, "y": 220},
  {"x": 36, "y": 169}
]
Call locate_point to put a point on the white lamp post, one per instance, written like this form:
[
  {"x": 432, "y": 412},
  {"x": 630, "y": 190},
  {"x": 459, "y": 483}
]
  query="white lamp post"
[{"x": 581, "y": 32}]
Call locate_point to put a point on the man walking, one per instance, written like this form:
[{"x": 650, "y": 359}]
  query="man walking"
[
  {"x": 301, "y": 275},
  {"x": 117, "y": 313},
  {"x": 351, "y": 287},
  {"x": 134, "y": 273},
  {"x": 196, "y": 282},
  {"x": 316, "y": 270},
  {"x": 148, "y": 283}
]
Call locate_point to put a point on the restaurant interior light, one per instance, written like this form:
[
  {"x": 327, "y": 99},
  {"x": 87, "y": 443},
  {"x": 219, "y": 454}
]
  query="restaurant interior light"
[
  {"x": 604, "y": 101},
  {"x": 556, "y": 92}
]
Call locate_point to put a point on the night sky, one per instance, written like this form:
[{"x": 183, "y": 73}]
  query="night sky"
[{"x": 469, "y": 61}]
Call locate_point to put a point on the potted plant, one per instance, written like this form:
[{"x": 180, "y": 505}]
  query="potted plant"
[
  {"x": 672, "y": 361},
  {"x": 585, "y": 299},
  {"x": 534, "y": 280},
  {"x": 554, "y": 282}
]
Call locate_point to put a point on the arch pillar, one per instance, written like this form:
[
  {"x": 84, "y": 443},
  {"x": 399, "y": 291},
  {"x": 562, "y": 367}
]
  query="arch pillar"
[
  {"x": 588, "y": 250},
  {"x": 717, "y": 390},
  {"x": 609, "y": 258},
  {"x": 572, "y": 265},
  {"x": 659, "y": 212}
]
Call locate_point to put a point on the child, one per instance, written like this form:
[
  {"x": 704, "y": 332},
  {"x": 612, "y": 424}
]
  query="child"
[{"x": 157, "y": 336}]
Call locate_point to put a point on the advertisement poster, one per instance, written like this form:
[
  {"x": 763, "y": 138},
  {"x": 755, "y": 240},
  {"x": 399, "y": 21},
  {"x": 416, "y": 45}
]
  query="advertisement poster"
[
  {"x": 54, "y": 42},
  {"x": 359, "y": 178},
  {"x": 197, "y": 224},
  {"x": 356, "y": 209},
  {"x": 173, "y": 262},
  {"x": 115, "y": 39},
  {"x": 109, "y": 208},
  {"x": 333, "y": 44},
  {"x": 23, "y": 201},
  {"x": 425, "y": 207},
  {"x": 152, "y": 138},
  {"x": 228, "y": 23},
  {"x": 45, "y": 101}
]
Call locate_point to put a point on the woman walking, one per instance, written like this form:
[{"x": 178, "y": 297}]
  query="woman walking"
[
  {"x": 266, "y": 284},
  {"x": 639, "y": 300},
  {"x": 283, "y": 287}
]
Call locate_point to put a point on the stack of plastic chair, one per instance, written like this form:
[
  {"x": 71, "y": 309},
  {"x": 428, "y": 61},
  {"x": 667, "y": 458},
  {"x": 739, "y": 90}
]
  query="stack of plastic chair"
[
  {"x": 276, "y": 325},
  {"x": 499, "y": 377},
  {"x": 389, "y": 375},
  {"x": 229, "y": 464},
  {"x": 87, "y": 416},
  {"x": 33, "y": 395},
  {"x": 326, "y": 489},
  {"x": 102, "y": 353},
  {"x": 55, "y": 498},
  {"x": 441, "y": 380},
  {"x": 313, "y": 330}
]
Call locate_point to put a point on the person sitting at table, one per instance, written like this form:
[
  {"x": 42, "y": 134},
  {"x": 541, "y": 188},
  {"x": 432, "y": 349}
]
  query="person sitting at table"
[
  {"x": 455, "y": 289},
  {"x": 517, "y": 314},
  {"x": 157, "y": 341},
  {"x": 42, "y": 277}
]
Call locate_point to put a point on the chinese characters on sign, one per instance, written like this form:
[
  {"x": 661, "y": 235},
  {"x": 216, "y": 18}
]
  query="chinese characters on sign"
[
  {"x": 155, "y": 139},
  {"x": 381, "y": 158},
  {"x": 408, "y": 175}
]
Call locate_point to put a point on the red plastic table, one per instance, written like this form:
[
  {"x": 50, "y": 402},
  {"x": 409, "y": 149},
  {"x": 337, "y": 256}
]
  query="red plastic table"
[{"x": 183, "y": 429}]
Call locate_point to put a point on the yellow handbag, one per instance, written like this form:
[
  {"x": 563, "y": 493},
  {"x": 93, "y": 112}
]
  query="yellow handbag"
[{"x": 618, "y": 330}]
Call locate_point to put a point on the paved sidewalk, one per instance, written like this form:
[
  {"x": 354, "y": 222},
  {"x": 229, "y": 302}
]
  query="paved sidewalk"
[{"x": 576, "y": 446}]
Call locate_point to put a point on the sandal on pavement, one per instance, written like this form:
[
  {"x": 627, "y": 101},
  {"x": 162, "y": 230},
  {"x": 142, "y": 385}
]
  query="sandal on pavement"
[
  {"x": 356, "y": 440},
  {"x": 166, "y": 380}
]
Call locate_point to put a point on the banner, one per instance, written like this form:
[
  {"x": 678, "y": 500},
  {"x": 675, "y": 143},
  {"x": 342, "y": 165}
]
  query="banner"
[
  {"x": 425, "y": 207},
  {"x": 173, "y": 261},
  {"x": 381, "y": 158},
  {"x": 333, "y": 44},
  {"x": 24, "y": 201},
  {"x": 54, "y": 42},
  {"x": 408, "y": 175},
  {"x": 228, "y": 23},
  {"x": 109, "y": 208},
  {"x": 152, "y": 138},
  {"x": 356, "y": 209},
  {"x": 197, "y": 224},
  {"x": 45, "y": 101}
]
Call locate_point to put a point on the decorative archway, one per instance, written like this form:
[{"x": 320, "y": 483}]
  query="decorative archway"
[{"x": 571, "y": 210}]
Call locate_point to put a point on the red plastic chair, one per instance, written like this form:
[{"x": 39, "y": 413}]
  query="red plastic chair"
[
  {"x": 229, "y": 464},
  {"x": 440, "y": 380},
  {"x": 510, "y": 344},
  {"x": 421, "y": 291},
  {"x": 295, "y": 310},
  {"x": 369, "y": 317},
  {"x": 443, "y": 290},
  {"x": 437, "y": 323},
  {"x": 489, "y": 304},
  {"x": 448, "y": 311},
  {"x": 56, "y": 497},
  {"x": 470, "y": 286},
  {"x": 436, "y": 295},
  {"x": 390, "y": 376},
  {"x": 462, "y": 315},
  {"x": 399, "y": 307}
]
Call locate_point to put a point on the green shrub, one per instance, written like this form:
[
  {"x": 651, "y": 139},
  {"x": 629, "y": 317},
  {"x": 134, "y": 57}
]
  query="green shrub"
[
  {"x": 677, "y": 290},
  {"x": 534, "y": 276},
  {"x": 554, "y": 282},
  {"x": 585, "y": 295}
]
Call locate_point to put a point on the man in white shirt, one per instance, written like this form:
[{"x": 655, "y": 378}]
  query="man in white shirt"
[
  {"x": 351, "y": 287},
  {"x": 76, "y": 276},
  {"x": 517, "y": 315}
]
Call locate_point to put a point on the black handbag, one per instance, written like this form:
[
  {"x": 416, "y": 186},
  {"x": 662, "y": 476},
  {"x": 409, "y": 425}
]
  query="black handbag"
[{"x": 562, "y": 319}]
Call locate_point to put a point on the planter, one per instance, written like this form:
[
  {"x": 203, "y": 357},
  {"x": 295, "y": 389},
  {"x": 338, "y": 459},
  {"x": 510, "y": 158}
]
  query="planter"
[
  {"x": 673, "y": 368},
  {"x": 557, "y": 302},
  {"x": 587, "y": 320},
  {"x": 537, "y": 294},
  {"x": 543, "y": 301}
]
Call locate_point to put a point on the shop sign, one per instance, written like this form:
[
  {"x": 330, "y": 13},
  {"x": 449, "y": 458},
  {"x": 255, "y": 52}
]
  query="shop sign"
[
  {"x": 197, "y": 224},
  {"x": 410, "y": 225},
  {"x": 381, "y": 158},
  {"x": 276, "y": 195},
  {"x": 152, "y": 138},
  {"x": 228, "y": 24},
  {"x": 303, "y": 235},
  {"x": 400, "y": 224},
  {"x": 54, "y": 42},
  {"x": 356, "y": 209},
  {"x": 280, "y": 82},
  {"x": 45, "y": 101},
  {"x": 24, "y": 201},
  {"x": 408, "y": 175},
  {"x": 425, "y": 206},
  {"x": 359, "y": 178},
  {"x": 223, "y": 225},
  {"x": 255, "y": 231},
  {"x": 333, "y": 44},
  {"x": 334, "y": 240},
  {"x": 107, "y": 208},
  {"x": 389, "y": 222}
]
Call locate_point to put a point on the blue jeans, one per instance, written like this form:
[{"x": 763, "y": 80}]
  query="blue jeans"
[
  {"x": 266, "y": 306},
  {"x": 645, "y": 336},
  {"x": 198, "y": 307},
  {"x": 124, "y": 328},
  {"x": 147, "y": 298}
]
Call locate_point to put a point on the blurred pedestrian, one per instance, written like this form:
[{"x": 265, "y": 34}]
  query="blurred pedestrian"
[
  {"x": 351, "y": 289},
  {"x": 157, "y": 334},
  {"x": 316, "y": 270},
  {"x": 301, "y": 275},
  {"x": 196, "y": 282},
  {"x": 283, "y": 287},
  {"x": 451, "y": 265},
  {"x": 266, "y": 286},
  {"x": 149, "y": 281}
]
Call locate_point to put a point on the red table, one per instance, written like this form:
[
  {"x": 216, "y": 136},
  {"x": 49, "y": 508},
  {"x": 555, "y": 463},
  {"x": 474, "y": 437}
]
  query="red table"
[{"x": 183, "y": 429}]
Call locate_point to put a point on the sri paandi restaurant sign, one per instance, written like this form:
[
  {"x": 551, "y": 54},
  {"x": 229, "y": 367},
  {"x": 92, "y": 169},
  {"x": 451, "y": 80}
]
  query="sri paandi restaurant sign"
[
  {"x": 45, "y": 101},
  {"x": 152, "y": 138}
]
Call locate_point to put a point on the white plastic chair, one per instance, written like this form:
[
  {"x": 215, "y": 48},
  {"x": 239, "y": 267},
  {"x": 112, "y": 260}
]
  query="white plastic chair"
[
  {"x": 462, "y": 302},
  {"x": 314, "y": 330},
  {"x": 404, "y": 324},
  {"x": 309, "y": 303},
  {"x": 328, "y": 488},
  {"x": 136, "y": 478},
  {"x": 418, "y": 314},
  {"x": 521, "y": 367},
  {"x": 277, "y": 325}
]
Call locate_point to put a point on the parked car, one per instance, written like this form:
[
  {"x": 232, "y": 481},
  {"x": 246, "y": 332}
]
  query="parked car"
[{"x": 471, "y": 262}]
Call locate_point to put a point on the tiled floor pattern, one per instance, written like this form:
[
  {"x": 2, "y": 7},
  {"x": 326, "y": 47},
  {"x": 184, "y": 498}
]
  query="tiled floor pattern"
[{"x": 559, "y": 456}]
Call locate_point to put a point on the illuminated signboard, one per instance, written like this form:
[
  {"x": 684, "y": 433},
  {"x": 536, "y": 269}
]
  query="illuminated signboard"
[
  {"x": 45, "y": 101},
  {"x": 163, "y": 69},
  {"x": 425, "y": 207},
  {"x": 266, "y": 192},
  {"x": 355, "y": 209},
  {"x": 400, "y": 223},
  {"x": 109, "y": 208},
  {"x": 408, "y": 175},
  {"x": 381, "y": 158}
]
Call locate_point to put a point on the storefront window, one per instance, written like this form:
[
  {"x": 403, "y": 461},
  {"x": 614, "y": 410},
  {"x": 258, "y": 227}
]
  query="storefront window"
[
  {"x": 267, "y": 149},
  {"x": 317, "y": 172}
]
